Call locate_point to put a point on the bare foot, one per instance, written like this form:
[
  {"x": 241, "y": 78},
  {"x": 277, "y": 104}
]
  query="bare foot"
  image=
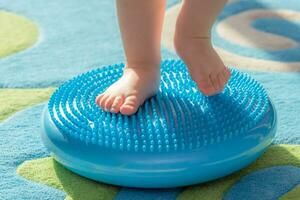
[
  {"x": 204, "y": 64},
  {"x": 131, "y": 90}
]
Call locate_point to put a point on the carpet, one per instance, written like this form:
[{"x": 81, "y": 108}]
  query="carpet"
[{"x": 44, "y": 43}]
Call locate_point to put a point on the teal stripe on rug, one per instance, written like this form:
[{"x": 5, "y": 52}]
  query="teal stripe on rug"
[{"x": 75, "y": 36}]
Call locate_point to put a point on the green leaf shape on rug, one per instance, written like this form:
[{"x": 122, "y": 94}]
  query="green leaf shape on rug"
[
  {"x": 294, "y": 194},
  {"x": 14, "y": 100},
  {"x": 276, "y": 155},
  {"x": 16, "y": 33},
  {"x": 49, "y": 172}
]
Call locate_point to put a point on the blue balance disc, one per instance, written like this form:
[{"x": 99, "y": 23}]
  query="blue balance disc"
[{"x": 178, "y": 137}]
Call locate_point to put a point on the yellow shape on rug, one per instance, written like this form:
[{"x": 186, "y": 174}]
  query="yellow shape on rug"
[{"x": 16, "y": 33}]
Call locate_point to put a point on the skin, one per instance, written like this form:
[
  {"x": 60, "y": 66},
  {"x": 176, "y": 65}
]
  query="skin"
[{"x": 141, "y": 26}]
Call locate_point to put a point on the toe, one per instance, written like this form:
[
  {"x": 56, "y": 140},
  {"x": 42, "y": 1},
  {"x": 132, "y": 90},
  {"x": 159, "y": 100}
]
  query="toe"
[
  {"x": 219, "y": 80},
  {"x": 109, "y": 101},
  {"x": 205, "y": 86},
  {"x": 98, "y": 98},
  {"x": 216, "y": 82},
  {"x": 130, "y": 106},
  {"x": 103, "y": 100},
  {"x": 227, "y": 74},
  {"x": 115, "y": 107},
  {"x": 223, "y": 76},
  {"x": 128, "y": 110},
  {"x": 222, "y": 79}
]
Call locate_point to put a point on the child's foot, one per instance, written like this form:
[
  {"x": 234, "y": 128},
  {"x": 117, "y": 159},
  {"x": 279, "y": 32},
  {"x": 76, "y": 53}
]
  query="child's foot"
[
  {"x": 131, "y": 90},
  {"x": 204, "y": 64}
]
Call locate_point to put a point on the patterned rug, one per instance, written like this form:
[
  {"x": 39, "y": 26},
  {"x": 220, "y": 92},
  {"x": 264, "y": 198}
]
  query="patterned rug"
[{"x": 44, "y": 43}]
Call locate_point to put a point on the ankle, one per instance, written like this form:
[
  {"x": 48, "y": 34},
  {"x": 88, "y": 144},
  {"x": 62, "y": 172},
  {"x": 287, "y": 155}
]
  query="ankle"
[
  {"x": 143, "y": 68},
  {"x": 181, "y": 38},
  {"x": 186, "y": 30},
  {"x": 146, "y": 64},
  {"x": 184, "y": 44},
  {"x": 146, "y": 74}
]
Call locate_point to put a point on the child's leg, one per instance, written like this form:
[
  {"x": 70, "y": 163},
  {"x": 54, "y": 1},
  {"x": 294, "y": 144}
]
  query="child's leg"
[
  {"x": 141, "y": 25},
  {"x": 193, "y": 44}
]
